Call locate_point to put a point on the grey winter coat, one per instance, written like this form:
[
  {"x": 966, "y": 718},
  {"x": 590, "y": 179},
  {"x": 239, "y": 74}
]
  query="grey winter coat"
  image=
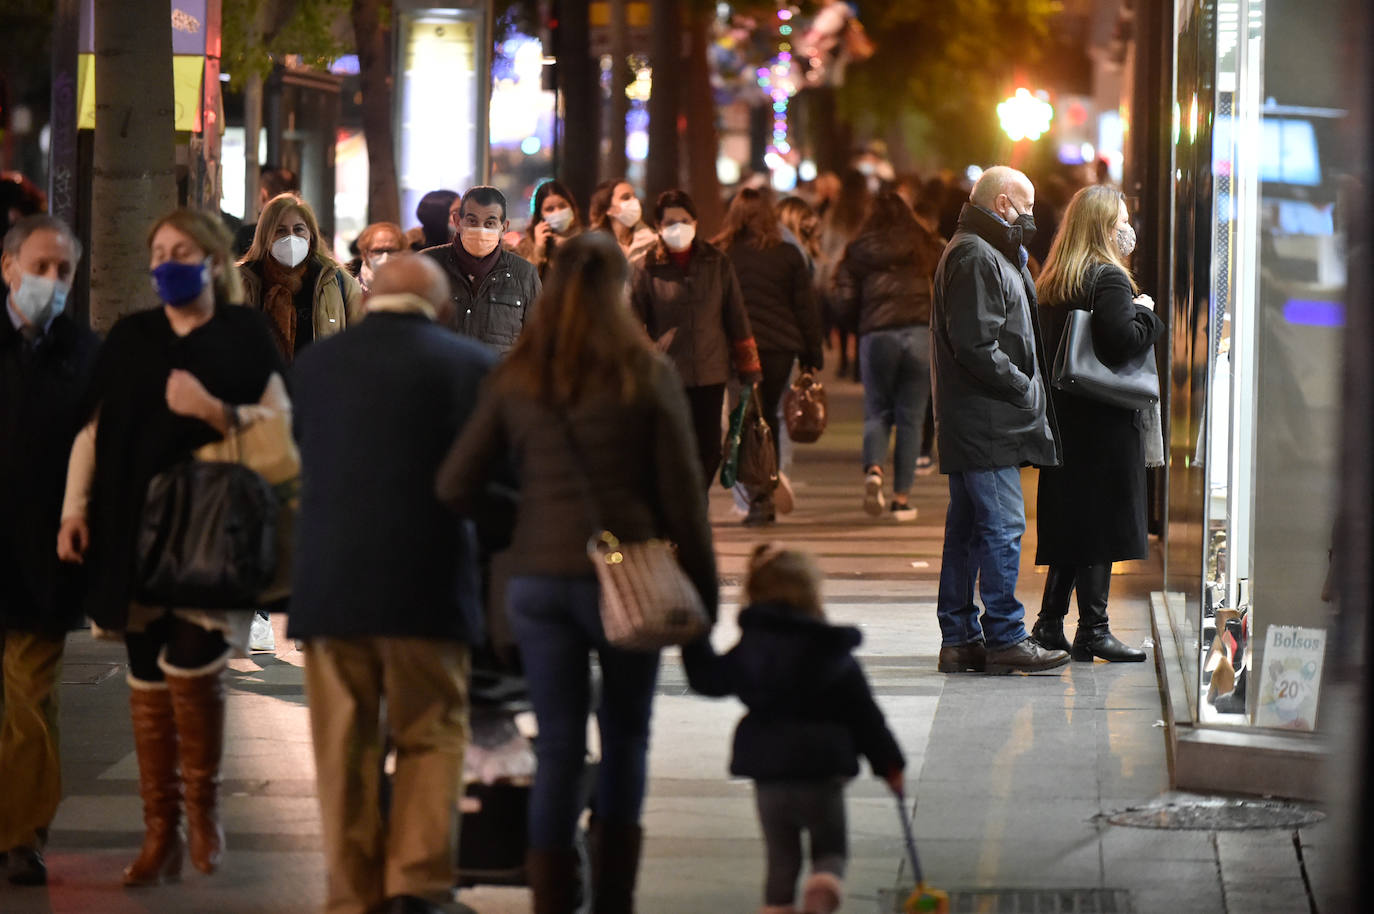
[{"x": 989, "y": 372}]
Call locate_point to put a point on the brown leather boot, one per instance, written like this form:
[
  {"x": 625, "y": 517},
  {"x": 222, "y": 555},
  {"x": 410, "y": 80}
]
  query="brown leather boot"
[
  {"x": 552, "y": 876},
  {"x": 198, "y": 703},
  {"x": 615, "y": 848},
  {"x": 155, "y": 742}
]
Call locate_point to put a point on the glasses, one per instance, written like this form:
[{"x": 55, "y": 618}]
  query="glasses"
[{"x": 375, "y": 251}]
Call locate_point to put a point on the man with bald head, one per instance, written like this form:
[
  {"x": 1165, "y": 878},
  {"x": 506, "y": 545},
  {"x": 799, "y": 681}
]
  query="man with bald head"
[
  {"x": 386, "y": 585},
  {"x": 992, "y": 417}
]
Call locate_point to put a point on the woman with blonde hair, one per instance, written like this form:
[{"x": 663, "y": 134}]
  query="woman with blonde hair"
[
  {"x": 1092, "y": 508},
  {"x": 290, "y": 275},
  {"x": 597, "y": 427},
  {"x": 166, "y": 382}
]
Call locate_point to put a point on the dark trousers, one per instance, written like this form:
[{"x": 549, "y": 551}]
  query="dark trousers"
[
  {"x": 705, "y": 403},
  {"x": 777, "y": 371},
  {"x": 786, "y": 809}
]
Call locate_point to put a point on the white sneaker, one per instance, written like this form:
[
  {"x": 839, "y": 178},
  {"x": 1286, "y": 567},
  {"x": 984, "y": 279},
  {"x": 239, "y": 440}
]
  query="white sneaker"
[
  {"x": 873, "y": 494},
  {"x": 903, "y": 512},
  {"x": 924, "y": 466},
  {"x": 261, "y": 639}
]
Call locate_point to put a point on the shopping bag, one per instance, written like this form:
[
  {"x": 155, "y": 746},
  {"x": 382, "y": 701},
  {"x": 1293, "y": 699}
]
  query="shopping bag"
[{"x": 729, "y": 466}]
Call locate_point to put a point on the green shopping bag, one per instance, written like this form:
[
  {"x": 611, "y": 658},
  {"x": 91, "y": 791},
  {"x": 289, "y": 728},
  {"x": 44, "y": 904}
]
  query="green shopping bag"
[{"x": 729, "y": 467}]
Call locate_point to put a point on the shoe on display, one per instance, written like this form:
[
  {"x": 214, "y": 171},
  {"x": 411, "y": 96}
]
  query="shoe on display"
[
  {"x": 1025, "y": 656},
  {"x": 873, "y": 495},
  {"x": 963, "y": 658},
  {"x": 261, "y": 639},
  {"x": 903, "y": 511}
]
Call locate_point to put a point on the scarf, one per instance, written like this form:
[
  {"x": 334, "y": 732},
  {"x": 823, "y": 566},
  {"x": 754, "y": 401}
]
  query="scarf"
[
  {"x": 280, "y": 285},
  {"x": 474, "y": 268},
  {"x": 401, "y": 303}
]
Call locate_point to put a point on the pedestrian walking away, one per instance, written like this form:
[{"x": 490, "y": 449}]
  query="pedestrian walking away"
[
  {"x": 387, "y": 587},
  {"x": 492, "y": 288},
  {"x": 993, "y": 415},
  {"x": 166, "y": 382},
  {"x": 688, "y": 297},
  {"x": 45, "y": 363},
  {"x": 585, "y": 410},
  {"x": 1092, "y": 508},
  {"x": 811, "y": 715}
]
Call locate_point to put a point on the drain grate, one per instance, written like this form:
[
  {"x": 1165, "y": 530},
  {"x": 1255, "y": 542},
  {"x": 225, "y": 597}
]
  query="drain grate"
[
  {"x": 1218, "y": 815},
  {"x": 1023, "y": 901}
]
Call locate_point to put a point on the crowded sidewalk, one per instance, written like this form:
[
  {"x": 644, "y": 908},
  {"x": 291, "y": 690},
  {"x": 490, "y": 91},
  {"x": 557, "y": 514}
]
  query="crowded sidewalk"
[{"x": 1012, "y": 775}]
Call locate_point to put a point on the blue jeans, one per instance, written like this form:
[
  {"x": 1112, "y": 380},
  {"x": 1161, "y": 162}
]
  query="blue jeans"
[
  {"x": 557, "y": 622},
  {"x": 983, "y": 530},
  {"x": 895, "y": 364}
]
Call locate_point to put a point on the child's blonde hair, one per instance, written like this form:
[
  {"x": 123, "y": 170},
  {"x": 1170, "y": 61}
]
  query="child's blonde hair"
[{"x": 781, "y": 575}]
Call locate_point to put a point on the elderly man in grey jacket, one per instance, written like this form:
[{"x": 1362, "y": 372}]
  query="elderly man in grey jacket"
[{"x": 993, "y": 415}]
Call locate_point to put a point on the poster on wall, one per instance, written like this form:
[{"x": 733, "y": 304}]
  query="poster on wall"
[{"x": 1291, "y": 680}]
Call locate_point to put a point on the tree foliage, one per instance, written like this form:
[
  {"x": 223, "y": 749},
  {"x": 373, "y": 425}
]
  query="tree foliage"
[
  {"x": 940, "y": 69},
  {"x": 258, "y": 32}
]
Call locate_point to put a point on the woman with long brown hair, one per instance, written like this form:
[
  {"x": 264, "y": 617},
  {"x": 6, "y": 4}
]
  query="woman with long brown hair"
[
  {"x": 596, "y": 425},
  {"x": 168, "y": 381},
  {"x": 1092, "y": 508},
  {"x": 616, "y": 210},
  {"x": 290, "y": 275},
  {"x": 554, "y": 219},
  {"x": 781, "y": 303}
]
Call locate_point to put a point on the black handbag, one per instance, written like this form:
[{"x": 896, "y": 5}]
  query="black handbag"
[
  {"x": 1133, "y": 384},
  {"x": 207, "y": 538}
]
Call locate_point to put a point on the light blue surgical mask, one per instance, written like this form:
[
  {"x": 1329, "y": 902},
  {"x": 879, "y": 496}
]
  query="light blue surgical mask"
[{"x": 39, "y": 299}]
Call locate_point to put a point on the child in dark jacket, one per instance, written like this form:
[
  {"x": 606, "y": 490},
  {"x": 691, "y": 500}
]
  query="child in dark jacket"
[{"x": 811, "y": 714}]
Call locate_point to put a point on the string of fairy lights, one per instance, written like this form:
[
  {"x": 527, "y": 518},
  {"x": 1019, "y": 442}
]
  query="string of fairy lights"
[{"x": 778, "y": 81}]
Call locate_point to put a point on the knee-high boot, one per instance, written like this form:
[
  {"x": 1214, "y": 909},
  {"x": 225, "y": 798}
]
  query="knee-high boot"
[
  {"x": 615, "y": 848},
  {"x": 198, "y": 703},
  {"x": 155, "y": 742},
  {"x": 1093, "y": 638},
  {"x": 552, "y": 875},
  {"x": 1054, "y": 606}
]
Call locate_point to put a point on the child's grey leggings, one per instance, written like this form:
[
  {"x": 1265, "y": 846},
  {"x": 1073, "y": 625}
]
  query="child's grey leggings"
[{"x": 786, "y": 809}]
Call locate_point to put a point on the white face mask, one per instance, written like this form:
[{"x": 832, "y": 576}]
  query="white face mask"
[
  {"x": 629, "y": 213},
  {"x": 38, "y": 299},
  {"x": 1125, "y": 240},
  {"x": 679, "y": 237},
  {"x": 290, "y": 250},
  {"x": 479, "y": 242},
  {"x": 559, "y": 220}
]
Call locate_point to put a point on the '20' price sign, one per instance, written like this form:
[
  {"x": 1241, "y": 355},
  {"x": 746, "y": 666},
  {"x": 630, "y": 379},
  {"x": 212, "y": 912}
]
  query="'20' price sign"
[{"x": 1291, "y": 677}]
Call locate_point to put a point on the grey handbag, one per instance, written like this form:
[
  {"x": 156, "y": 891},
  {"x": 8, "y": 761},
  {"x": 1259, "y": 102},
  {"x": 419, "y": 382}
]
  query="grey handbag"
[{"x": 1133, "y": 384}]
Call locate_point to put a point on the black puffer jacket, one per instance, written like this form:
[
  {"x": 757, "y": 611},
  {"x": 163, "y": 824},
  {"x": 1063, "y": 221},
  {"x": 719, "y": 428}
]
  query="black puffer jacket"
[
  {"x": 988, "y": 362},
  {"x": 780, "y": 299},
  {"x": 884, "y": 279},
  {"x": 811, "y": 712}
]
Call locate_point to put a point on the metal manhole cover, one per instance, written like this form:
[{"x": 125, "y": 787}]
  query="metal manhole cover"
[
  {"x": 1219, "y": 815},
  {"x": 1023, "y": 901}
]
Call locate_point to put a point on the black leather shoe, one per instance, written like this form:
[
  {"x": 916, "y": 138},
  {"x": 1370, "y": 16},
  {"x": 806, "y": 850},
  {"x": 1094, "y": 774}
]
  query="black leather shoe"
[
  {"x": 1050, "y": 635},
  {"x": 963, "y": 658},
  {"x": 1100, "y": 642},
  {"x": 27, "y": 867},
  {"x": 1024, "y": 657}
]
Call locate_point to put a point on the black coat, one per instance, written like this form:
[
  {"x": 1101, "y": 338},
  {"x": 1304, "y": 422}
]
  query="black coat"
[
  {"x": 780, "y": 299},
  {"x": 811, "y": 712},
  {"x": 377, "y": 554},
  {"x": 702, "y": 303},
  {"x": 988, "y": 368},
  {"x": 40, "y": 395},
  {"x": 1092, "y": 508},
  {"x": 884, "y": 279},
  {"x": 495, "y": 311}
]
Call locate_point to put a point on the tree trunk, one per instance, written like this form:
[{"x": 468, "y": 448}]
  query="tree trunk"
[
  {"x": 703, "y": 145},
  {"x": 372, "y": 32},
  {"x": 252, "y": 128},
  {"x": 581, "y": 91},
  {"x": 665, "y": 56},
  {"x": 620, "y": 104},
  {"x": 133, "y": 179}
]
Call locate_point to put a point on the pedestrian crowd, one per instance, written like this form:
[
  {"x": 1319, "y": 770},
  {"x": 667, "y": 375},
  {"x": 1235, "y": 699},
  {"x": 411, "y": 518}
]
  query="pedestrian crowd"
[{"x": 461, "y": 416}]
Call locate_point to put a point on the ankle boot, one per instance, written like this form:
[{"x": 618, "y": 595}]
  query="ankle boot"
[
  {"x": 552, "y": 876},
  {"x": 155, "y": 743},
  {"x": 615, "y": 848},
  {"x": 1093, "y": 638},
  {"x": 1054, "y": 606},
  {"x": 198, "y": 704}
]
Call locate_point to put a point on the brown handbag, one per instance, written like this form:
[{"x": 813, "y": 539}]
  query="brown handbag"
[{"x": 804, "y": 409}]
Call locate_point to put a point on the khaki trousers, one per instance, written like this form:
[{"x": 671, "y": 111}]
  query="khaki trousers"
[
  {"x": 424, "y": 686},
  {"x": 29, "y": 760}
]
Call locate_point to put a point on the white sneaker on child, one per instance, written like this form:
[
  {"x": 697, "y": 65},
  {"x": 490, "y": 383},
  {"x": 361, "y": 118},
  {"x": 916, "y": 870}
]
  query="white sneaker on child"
[{"x": 261, "y": 638}]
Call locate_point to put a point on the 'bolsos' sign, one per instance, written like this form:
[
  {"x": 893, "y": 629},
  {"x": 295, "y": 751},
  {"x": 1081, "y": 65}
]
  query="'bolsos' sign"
[{"x": 1291, "y": 677}]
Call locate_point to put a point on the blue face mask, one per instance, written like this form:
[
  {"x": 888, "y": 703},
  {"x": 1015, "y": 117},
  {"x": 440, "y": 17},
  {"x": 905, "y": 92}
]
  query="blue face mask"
[{"x": 179, "y": 284}]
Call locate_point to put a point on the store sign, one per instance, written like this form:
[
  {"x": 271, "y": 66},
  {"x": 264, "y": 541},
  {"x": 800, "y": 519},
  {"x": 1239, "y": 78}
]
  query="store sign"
[{"x": 1291, "y": 679}]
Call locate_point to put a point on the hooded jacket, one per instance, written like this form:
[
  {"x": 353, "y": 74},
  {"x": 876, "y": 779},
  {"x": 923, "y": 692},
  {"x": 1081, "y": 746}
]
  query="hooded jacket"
[
  {"x": 811, "y": 712},
  {"x": 883, "y": 282},
  {"x": 991, "y": 389}
]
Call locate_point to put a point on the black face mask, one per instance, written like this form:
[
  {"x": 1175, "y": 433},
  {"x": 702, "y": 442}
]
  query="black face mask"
[{"x": 1026, "y": 222}]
